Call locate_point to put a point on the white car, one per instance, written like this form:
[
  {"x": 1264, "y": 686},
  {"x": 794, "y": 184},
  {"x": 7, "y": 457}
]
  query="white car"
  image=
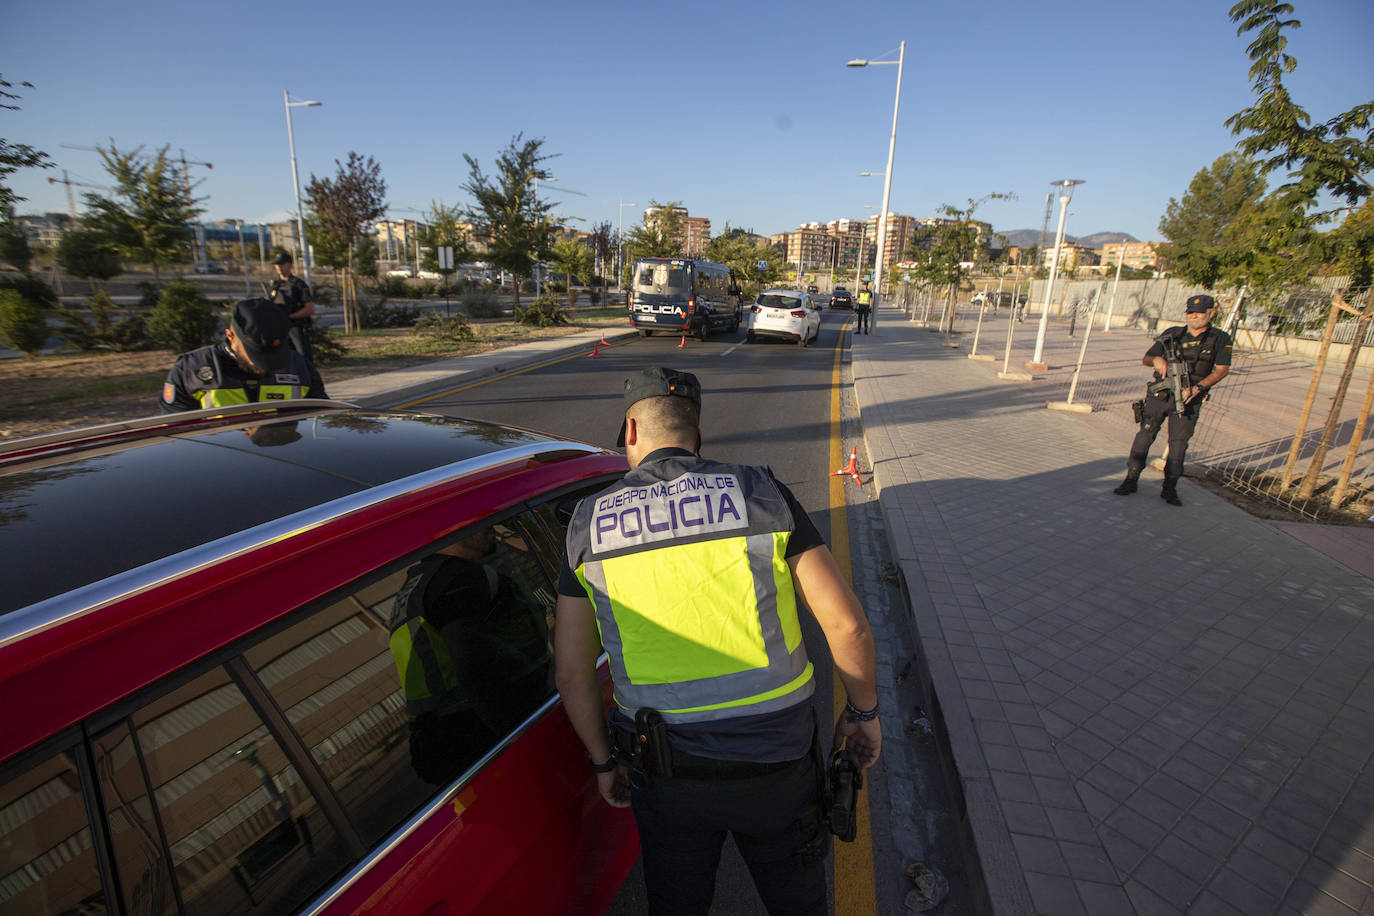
[
  {"x": 788, "y": 314},
  {"x": 404, "y": 270},
  {"x": 429, "y": 275}
]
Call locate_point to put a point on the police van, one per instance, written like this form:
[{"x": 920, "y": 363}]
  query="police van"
[{"x": 683, "y": 296}]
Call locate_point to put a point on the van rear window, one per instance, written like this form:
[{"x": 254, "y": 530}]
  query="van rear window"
[{"x": 661, "y": 278}]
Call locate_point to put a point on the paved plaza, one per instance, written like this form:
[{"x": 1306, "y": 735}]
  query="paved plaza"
[{"x": 1152, "y": 709}]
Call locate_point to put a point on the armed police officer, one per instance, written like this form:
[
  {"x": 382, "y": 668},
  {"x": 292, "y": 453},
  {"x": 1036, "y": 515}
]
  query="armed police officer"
[
  {"x": 690, "y": 573},
  {"x": 863, "y": 307},
  {"x": 1204, "y": 356},
  {"x": 293, "y": 296},
  {"x": 252, "y": 363}
]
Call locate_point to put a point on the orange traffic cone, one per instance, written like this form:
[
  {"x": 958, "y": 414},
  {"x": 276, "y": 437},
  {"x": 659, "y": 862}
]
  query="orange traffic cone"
[
  {"x": 603, "y": 339},
  {"x": 852, "y": 468},
  {"x": 596, "y": 348},
  {"x": 682, "y": 344}
]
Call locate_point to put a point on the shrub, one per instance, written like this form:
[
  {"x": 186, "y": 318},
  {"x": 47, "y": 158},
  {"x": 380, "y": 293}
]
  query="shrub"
[
  {"x": 526, "y": 286},
  {"x": 572, "y": 297},
  {"x": 31, "y": 288},
  {"x": 183, "y": 319},
  {"x": 324, "y": 347},
  {"x": 544, "y": 312},
  {"x": 483, "y": 304},
  {"x": 23, "y": 324},
  {"x": 594, "y": 296},
  {"x": 381, "y": 314},
  {"x": 555, "y": 286},
  {"x": 454, "y": 328},
  {"x": 391, "y": 287},
  {"x": 100, "y": 327}
]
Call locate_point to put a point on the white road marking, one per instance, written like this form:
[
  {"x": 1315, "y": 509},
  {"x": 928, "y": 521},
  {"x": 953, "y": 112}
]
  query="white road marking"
[{"x": 728, "y": 350}]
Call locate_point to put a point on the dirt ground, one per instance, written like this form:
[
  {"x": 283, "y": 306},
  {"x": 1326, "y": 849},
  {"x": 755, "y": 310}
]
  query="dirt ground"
[{"x": 49, "y": 393}]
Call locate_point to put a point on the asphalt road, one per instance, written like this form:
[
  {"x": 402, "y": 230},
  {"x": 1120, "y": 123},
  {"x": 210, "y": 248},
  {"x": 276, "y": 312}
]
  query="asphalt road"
[{"x": 763, "y": 403}]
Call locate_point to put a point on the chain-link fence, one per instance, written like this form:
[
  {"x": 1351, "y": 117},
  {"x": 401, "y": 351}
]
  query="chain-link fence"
[{"x": 1247, "y": 426}]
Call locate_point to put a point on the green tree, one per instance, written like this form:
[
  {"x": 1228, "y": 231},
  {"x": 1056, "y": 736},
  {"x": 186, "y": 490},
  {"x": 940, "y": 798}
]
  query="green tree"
[
  {"x": 14, "y": 245},
  {"x": 87, "y": 254},
  {"x": 661, "y": 236},
  {"x": 353, "y": 199},
  {"x": 148, "y": 219},
  {"x": 573, "y": 259},
  {"x": 517, "y": 221},
  {"x": 736, "y": 250},
  {"x": 941, "y": 250},
  {"x": 446, "y": 227},
  {"x": 183, "y": 318},
  {"x": 1330, "y": 162},
  {"x": 365, "y": 255},
  {"x": 23, "y": 322},
  {"x": 15, "y": 156}
]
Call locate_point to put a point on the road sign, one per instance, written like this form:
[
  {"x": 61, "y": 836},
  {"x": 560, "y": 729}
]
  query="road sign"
[
  {"x": 446, "y": 257},
  {"x": 763, "y": 265}
]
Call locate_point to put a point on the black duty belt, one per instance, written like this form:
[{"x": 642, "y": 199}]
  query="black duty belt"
[{"x": 691, "y": 766}]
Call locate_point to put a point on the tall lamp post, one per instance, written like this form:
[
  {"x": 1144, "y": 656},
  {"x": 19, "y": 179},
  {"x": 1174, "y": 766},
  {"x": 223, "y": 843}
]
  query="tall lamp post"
[
  {"x": 887, "y": 178},
  {"x": 1065, "y": 187},
  {"x": 295, "y": 177},
  {"x": 620, "y": 245}
]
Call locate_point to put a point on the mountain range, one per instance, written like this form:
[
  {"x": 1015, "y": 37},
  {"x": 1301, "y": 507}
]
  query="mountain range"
[{"x": 1024, "y": 238}]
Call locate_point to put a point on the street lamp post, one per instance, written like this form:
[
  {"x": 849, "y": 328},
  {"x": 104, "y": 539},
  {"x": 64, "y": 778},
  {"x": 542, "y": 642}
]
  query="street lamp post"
[
  {"x": 295, "y": 176},
  {"x": 1065, "y": 195},
  {"x": 887, "y": 178}
]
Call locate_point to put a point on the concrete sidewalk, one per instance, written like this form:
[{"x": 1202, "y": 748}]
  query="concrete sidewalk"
[{"x": 1151, "y": 709}]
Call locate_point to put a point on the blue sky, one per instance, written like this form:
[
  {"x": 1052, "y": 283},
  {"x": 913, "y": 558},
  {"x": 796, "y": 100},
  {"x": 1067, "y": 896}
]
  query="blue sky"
[{"x": 742, "y": 111}]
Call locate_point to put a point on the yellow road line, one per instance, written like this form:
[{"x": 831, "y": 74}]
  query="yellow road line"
[{"x": 855, "y": 893}]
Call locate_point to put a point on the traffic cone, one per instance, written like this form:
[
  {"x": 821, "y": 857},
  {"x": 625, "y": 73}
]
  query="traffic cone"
[
  {"x": 603, "y": 339},
  {"x": 852, "y": 468},
  {"x": 682, "y": 344},
  {"x": 596, "y": 348}
]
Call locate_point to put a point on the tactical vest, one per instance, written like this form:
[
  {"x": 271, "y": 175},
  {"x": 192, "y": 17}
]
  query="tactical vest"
[
  {"x": 865, "y": 297},
  {"x": 214, "y": 379},
  {"x": 1200, "y": 352},
  {"x": 684, "y": 561}
]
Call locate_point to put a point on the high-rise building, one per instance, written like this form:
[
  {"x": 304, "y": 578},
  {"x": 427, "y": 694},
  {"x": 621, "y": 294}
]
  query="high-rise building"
[
  {"x": 1138, "y": 255},
  {"x": 853, "y": 247},
  {"x": 900, "y": 231}
]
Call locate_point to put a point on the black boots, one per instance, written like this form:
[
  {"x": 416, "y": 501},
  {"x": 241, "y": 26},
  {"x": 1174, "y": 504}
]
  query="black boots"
[
  {"x": 1170, "y": 492},
  {"x": 1128, "y": 486}
]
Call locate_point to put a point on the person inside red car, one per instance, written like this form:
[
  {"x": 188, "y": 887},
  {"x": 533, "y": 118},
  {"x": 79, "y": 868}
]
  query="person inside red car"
[{"x": 690, "y": 573}]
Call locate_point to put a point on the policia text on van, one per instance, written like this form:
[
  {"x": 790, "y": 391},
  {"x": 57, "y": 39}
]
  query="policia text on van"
[{"x": 682, "y": 296}]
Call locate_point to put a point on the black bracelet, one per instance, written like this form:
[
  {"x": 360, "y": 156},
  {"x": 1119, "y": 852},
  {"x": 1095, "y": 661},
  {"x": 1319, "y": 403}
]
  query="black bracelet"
[
  {"x": 854, "y": 714},
  {"x": 610, "y": 764}
]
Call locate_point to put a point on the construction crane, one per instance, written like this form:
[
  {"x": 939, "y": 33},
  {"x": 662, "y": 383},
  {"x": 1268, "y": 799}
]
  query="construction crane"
[{"x": 71, "y": 199}]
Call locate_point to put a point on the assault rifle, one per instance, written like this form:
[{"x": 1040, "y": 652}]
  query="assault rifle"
[{"x": 1175, "y": 381}]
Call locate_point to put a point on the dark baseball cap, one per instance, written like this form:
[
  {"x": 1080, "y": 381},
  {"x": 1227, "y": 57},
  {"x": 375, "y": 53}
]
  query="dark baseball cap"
[
  {"x": 659, "y": 382},
  {"x": 283, "y": 258},
  {"x": 1200, "y": 303},
  {"x": 263, "y": 328}
]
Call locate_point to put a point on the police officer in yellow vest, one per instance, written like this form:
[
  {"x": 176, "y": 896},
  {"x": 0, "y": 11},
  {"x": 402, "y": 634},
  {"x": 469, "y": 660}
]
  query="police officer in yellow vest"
[
  {"x": 863, "y": 308},
  {"x": 253, "y": 363},
  {"x": 691, "y": 574}
]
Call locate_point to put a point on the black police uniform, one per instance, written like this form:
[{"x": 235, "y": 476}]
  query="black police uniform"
[
  {"x": 1202, "y": 353},
  {"x": 753, "y": 776},
  {"x": 293, "y": 294},
  {"x": 197, "y": 374},
  {"x": 863, "y": 308}
]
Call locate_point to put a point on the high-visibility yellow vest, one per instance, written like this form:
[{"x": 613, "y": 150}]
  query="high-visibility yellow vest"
[
  {"x": 865, "y": 297},
  {"x": 684, "y": 561},
  {"x": 220, "y": 397}
]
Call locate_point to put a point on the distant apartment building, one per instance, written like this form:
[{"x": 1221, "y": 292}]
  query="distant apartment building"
[
  {"x": 901, "y": 229},
  {"x": 812, "y": 246},
  {"x": 1137, "y": 255},
  {"x": 695, "y": 232},
  {"x": 853, "y": 247},
  {"x": 1075, "y": 256},
  {"x": 397, "y": 238},
  {"x": 45, "y": 229}
]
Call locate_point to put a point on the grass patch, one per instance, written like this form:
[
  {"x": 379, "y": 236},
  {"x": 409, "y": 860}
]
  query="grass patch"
[{"x": 86, "y": 390}]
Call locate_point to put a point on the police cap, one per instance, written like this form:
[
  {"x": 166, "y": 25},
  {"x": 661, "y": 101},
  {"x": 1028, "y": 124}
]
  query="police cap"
[
  {"x": 1200, "y": 303},
  {"x": 262, "y": 328},
  {"x": 659, "y": 382}
]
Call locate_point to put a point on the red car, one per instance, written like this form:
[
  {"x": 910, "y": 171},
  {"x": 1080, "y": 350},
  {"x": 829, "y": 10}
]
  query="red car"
[{"x": 293, "y": 659}]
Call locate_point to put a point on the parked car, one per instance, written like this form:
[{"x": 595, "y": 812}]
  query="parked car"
[
  {"x": 786, "y": 314},
  {"x": 402, "y": 270},
  {"x": 213, "y": 680},
  {"x": 841, "y": 299},
  {"x": 429, "y": 275},
  {"x": 683, "y": 296},
  {"x": 812, "y": 288},
  {"x": 207, "y": 267}
]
